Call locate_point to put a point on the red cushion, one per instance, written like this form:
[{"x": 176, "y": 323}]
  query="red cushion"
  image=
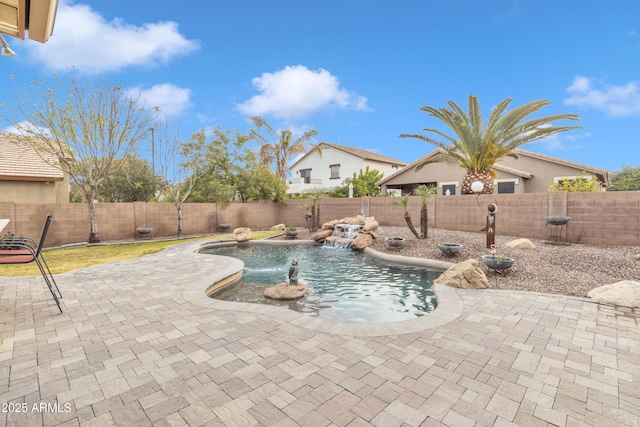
[
  {"x": 21, "y": 259},
  {"x": 12, "y": 252}
]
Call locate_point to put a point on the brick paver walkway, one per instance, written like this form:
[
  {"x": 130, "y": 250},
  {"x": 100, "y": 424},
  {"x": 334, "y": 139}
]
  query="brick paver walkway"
[{"x": 138, "y": 344}]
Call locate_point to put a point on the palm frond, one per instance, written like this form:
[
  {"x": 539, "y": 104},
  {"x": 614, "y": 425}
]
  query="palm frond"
[
  {"x": 260, "y": 122},
  {"x": 477, "y": 145}
]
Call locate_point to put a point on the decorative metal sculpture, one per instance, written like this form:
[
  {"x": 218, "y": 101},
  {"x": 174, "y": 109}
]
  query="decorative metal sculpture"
[
  {"x": 293, "y": 273},
  {"x": 490, "y": 227}
]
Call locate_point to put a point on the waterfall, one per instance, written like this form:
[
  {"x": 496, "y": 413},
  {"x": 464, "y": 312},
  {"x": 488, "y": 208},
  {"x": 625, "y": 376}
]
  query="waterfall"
[{"x": 343, "y": 235}]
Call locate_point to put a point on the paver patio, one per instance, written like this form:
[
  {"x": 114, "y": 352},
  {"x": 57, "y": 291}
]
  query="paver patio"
[{"x": 139, "y": 344}]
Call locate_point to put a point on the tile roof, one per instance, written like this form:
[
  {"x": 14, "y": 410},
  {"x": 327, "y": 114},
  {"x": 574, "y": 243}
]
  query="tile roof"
[
  {"x": 560, "y": 161},
  {"x": 19, "y": 161}
]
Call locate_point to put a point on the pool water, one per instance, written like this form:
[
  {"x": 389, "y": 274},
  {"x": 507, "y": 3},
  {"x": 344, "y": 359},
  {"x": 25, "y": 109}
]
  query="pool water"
[{"x": 346, "y": 286}]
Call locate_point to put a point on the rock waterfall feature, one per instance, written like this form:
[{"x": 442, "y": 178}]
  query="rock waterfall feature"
[{"x": 355, "y": 232}]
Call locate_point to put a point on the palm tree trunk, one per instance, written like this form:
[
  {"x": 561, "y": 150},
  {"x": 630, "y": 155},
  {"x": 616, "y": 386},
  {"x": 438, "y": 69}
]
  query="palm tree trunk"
[
  {"x": 313, "y": 218},
  {"x": 478, "y": 175},
  {"x": 317, "y": 217},
  {"x": 407, "y": 219},
  {"x": 424, "y": 217}
]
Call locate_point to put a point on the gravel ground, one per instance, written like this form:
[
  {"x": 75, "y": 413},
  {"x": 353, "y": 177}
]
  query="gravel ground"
[{"x": 572, "y": 269}]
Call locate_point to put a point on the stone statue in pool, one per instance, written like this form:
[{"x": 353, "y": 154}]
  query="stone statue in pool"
[
  {"x": 293, "y": 273},
  {"x": 288, "y": 290}
]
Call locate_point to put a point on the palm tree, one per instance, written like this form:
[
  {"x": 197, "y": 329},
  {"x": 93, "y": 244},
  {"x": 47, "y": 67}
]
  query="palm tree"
[
  {"x": 477, "y": 145},
  {"x": 425, "y": 194},
  {"x": 281, "y": 151},
  {"x": 404, "y": 202}
]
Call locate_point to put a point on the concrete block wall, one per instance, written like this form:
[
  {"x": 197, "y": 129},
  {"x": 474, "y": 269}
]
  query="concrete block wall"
[
  {"x": 610, "y": 218},
  {"x": 256, "y": 215}
]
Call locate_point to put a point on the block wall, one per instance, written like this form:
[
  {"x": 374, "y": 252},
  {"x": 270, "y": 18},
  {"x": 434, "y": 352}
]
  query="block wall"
[{"x": 609, "y": 218}]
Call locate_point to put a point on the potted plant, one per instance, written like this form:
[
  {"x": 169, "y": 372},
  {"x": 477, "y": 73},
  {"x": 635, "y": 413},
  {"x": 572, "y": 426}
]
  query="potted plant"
[
  {"x": 450, "y": 248},
  {"x": 144, "y": 230},
  {"x": 498, "y": 262},
  {"x": 292, "y": 232},
  {"x": 395, "y": 242},
  {"x": 224, "y": 226},
  {"x": 307, "y": 211}
]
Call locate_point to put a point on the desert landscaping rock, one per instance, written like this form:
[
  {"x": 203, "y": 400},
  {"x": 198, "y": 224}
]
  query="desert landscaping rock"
[
  {"x": 285, "y": 291},
  {"x": 370, "y": 225},
  {"x": 520, "y": 244},
  {"x": 278, "y": 227},
  {"x": 625, "y": 293},
  {"x": 362, "y": 241},
  {"x": 466, "y": 275},
  {"x": 320, "y": 236},
  {"x": 242, "y": 234}
]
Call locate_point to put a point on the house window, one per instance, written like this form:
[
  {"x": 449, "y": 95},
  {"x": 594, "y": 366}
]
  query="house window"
[
  {"x": 449, "y": 190},
  {"x": 335, "y": 171},
  {"x": 305, "y": 176},
  {"x": 506, "y": 187}
]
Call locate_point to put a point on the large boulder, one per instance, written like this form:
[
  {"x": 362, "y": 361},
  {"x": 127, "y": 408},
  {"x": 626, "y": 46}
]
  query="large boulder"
[
  {"x": 352, "y": 220},
  {"x": 242, "y": 234},
  {"x": 285, "y": 291},
  {"x": 370, "y": 224},
  {"x": 376, "y": 232},
  {"x": 278, "y": 227},
  {"x": 466, "y": 275},
  {"x": 320, "y": 236},
  {"x": 625, "y": 293},
  {"x": 520, "y": 244},
  {"x": 363, "y": 240}
]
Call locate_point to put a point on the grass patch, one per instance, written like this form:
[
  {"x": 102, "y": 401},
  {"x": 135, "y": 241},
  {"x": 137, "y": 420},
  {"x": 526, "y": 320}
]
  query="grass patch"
[{"x": 69, "y": 259}]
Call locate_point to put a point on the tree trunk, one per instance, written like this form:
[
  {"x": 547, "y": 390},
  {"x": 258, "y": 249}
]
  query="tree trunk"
[
  {"x": 479, "y": 175},
  {"x": 94, "y": 234},
  {"x": 407, "y": 219},
  {"x": 424, "y": 217},
  {"x": 312, "y": 227},
  {"x": 317, "y": 217},
  {"x": 179, "y": 209}
]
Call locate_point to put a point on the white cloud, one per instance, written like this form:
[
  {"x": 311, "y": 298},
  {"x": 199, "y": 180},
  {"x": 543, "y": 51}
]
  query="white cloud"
[
  {"x": 86, "y": 41},
  {"x": 615, "y": 101},
  {"x": 25, "y": 128},
  {"x": 297, "y": 92},
  {"x": 563, "y": 141},
  {"x": 172, "y": 100}
]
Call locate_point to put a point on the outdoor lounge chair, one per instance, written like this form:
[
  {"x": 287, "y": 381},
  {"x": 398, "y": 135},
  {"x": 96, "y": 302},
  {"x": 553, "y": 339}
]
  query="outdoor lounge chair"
[{"x": 24, "y": 250}]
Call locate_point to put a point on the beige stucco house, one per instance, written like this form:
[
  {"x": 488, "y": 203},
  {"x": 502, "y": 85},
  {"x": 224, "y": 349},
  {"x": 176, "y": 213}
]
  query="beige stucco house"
[
  {"x": 337, "y": 162},
  {"x": 530, "y": 173},
  {"x": 28, "y": 177}
]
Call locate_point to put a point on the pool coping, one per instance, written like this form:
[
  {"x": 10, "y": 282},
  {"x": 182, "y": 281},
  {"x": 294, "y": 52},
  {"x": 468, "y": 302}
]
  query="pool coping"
[{"x": 449, "y": 307}]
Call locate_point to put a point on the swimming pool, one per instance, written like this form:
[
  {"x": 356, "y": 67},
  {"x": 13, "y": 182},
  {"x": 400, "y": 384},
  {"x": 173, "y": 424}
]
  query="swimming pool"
[{"x": 346, "y": 286}]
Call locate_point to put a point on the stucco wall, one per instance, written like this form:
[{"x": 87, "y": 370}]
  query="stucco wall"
[
  {"x": 543, "y": 172},
  {"x": 34, "y": 191},
  {"x": 609, "y": 218},
  {"x": 321, "y": 171}
]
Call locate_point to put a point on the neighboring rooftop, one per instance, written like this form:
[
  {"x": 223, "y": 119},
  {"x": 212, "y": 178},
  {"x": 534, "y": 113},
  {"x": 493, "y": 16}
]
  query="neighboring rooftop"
[
  {"x": 359, "y": 152},
  {"x": 19, "y": 161}
]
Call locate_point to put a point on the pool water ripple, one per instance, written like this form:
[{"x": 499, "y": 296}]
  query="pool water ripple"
[{"x": 346, "y": 285}]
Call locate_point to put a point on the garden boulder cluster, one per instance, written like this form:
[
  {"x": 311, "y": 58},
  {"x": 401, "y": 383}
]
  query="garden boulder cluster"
[{"x": 369, "y": 230}]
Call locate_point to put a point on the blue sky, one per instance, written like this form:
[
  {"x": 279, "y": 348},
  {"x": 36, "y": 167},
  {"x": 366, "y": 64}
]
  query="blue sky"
[{"x": 359, "y": 70}]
